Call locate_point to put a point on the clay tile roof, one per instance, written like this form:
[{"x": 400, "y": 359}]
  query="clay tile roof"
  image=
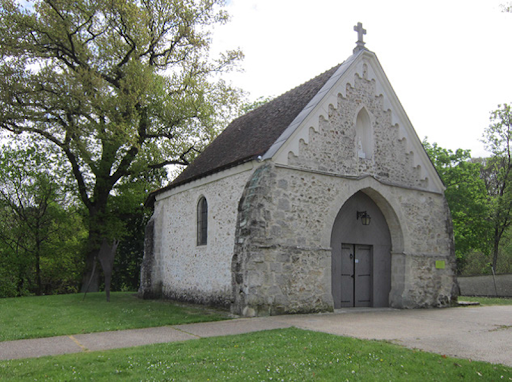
[{"x": 252, "y": 134}]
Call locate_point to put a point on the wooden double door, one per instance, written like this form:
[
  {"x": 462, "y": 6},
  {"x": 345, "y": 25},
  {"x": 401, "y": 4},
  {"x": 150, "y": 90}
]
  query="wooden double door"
[{"x": 355, "y": 276}]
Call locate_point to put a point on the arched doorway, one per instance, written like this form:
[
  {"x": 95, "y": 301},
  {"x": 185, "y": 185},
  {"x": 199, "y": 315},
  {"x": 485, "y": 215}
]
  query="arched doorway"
[{"x": 361, "y": 255}]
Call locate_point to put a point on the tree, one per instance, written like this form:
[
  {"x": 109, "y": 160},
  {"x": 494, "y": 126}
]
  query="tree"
[
  {"x": 36, "y": 224},
  {"x": 129, "y": 206},
  {"x": 466, "y": 196},
  {"x": 497, "y": 174},
  {"x": 120, "y": 87}
]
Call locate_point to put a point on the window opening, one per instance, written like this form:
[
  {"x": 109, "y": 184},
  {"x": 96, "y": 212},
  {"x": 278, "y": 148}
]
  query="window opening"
[{"x": 202, "y": 221}]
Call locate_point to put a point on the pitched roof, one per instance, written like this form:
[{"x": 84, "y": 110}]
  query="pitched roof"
[{"x": 252, "y": 134}]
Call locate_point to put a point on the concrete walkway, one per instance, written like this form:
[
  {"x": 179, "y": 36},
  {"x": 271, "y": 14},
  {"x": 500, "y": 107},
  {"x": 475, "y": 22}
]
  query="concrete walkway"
[{"x": 478, "y": 333}]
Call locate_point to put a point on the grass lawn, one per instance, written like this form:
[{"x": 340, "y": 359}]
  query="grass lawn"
[
  {"x": 47, "y": 316},
  {"x": 488, "y": 300},
  {"x": 276, "y": 355}
]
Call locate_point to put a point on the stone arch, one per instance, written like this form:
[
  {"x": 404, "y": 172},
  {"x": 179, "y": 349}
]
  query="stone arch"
[
  {"x": 376, "y": 192},
  {"x": 375, "y": 245},
  {"x": 361, "y": 255},
  {"x": 392, "y": 220}
]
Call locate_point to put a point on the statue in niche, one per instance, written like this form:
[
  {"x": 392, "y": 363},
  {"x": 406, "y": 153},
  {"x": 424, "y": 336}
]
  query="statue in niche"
[
  {"x": 364, "y": 135},
  {"x": 360, "y": 151}
]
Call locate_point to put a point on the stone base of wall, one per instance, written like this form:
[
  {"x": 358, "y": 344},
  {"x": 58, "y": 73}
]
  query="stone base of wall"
[
  {"x": 281, "y": 280},
  {"x": 218, "y": 299},
  {"x": 150, "y": 293},
  {"x": 258, "y": 310},
  {"x": 149, "y": 287},
  {"x": 426, "y": 286}
]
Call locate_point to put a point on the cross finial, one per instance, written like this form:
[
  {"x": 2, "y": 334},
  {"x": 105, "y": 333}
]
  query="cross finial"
[{"x": 360, "y": 32}]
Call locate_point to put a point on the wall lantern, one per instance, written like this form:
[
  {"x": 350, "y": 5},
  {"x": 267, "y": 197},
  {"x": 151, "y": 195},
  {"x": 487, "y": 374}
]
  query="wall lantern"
[{"x": 365, "y": 218}]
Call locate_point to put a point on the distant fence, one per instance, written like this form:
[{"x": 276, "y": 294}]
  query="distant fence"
[{"x": 484, "y": 285}]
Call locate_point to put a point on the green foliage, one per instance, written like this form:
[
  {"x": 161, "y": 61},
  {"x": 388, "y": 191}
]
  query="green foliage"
[
  {"x": 497, "y": 175},
  {"x": 477, "y": 263},
  {"x": 467, "y": 198},
  {"x": 89, "y": 76},
  {"x": 278, "y": 355},
  {"x": 128, "y": 207},
  {"x": 126, "y": 276},
  {"x": 504, "y": 263},
  {"x": 47, "y": 316},
  {"x": 41, "y": 235},
  {"x": 121, "y": 88},
  {"x": 13, "y": 273},
  {"x": 480, "y": 199}
]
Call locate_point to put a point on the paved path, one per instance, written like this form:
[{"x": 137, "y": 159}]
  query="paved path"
[{"x": 478, "y": 333}]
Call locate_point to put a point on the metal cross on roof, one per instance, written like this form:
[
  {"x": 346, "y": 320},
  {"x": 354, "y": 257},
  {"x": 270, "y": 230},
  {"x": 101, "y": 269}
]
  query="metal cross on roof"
[{"x": 360, "y": 32}]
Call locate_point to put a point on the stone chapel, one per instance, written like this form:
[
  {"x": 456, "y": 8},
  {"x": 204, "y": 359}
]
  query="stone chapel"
[{"x": 323, "y": 198}]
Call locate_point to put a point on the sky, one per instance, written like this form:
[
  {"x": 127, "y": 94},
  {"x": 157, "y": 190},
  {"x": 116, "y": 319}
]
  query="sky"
[{"x": 448, "y": 61}]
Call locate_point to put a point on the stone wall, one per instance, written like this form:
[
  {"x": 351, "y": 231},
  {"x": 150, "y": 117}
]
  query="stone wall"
[
  {"x": 181, "y": 269},
  {"x": 149, "y": 286},
  {"x": 276, "y": 269},
  {"x": 333, "y": 147},
  {"x": 485, "y": 285},
  {"x": 282, "y": 261}
]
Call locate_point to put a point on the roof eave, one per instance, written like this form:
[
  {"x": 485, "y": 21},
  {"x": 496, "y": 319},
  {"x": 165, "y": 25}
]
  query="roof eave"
[{"x": 151, "y": 199}]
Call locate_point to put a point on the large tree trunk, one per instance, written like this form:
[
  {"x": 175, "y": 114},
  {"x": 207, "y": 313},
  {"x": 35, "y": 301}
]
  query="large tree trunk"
[
  {"x": 99, "y": 249},
  {"x": 106, "y": 256},
  {"x": 91, "y": 277}
]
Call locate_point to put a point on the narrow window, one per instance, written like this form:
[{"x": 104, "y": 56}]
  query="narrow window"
[{"x": 202, "y": 221}]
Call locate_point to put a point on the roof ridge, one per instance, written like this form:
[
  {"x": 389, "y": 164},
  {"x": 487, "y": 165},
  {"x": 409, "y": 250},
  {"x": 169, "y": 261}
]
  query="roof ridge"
[
  {"x": 284, "y": 94},
  {"x": 307, "y": 81},
  {"x": 315, "y": 77}
]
